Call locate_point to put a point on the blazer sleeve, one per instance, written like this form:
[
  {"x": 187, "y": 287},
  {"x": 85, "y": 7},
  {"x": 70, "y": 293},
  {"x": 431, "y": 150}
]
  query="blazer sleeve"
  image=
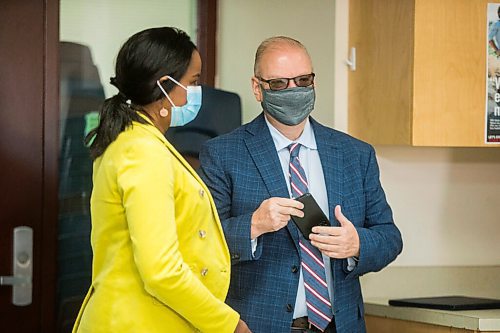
[
  {"x": 380, "y": 239},
  {"x": 146, "y": 179},
  {"x": 236, "y": 228}
]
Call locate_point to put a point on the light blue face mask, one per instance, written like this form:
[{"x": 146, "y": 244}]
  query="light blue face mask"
[{"x": 181, "y": 115}]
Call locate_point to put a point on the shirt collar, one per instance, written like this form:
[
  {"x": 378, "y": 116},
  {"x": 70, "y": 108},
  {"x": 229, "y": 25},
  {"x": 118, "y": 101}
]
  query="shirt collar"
[{"x": 306, "y": 139}]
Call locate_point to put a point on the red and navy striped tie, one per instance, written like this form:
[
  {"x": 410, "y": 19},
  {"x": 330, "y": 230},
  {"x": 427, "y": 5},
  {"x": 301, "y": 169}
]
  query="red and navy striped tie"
[{"x": 319, "y": 308}]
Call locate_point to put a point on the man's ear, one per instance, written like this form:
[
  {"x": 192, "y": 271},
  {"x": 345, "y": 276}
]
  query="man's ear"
[{"x": 256, "y": 89}]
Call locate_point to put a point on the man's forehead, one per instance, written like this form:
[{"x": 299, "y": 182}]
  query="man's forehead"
[
  {"x": 286, "y": 61},
  {"x": 280, "y": 49}
]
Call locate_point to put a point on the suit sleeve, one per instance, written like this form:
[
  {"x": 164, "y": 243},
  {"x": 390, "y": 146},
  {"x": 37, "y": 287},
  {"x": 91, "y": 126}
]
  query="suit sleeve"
[
  {"x": 380, "y": 239},
  {"x": 146, "y": 178},
  {"x": 236, "y": 228}
]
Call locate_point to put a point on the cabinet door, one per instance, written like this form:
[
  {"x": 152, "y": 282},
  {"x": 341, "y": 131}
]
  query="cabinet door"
[
  {"x": 421, "y": 72},
  {"x": 380, "y": 90},
  {"x": 450, "y": 73}
]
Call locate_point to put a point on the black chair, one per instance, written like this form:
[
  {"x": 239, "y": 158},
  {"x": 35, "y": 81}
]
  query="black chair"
[{"x": 220, "y": 113}]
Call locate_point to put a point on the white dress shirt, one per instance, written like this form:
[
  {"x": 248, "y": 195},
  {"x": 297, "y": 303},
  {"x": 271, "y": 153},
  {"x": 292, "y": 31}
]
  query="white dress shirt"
[{"x": 311, "y": 164}]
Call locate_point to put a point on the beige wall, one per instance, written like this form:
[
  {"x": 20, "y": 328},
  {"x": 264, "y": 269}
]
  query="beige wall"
[
  {"x": 446, "y": 201},
  {"x": 105, "y": 25},
  {"x": 244, "y": 24}
]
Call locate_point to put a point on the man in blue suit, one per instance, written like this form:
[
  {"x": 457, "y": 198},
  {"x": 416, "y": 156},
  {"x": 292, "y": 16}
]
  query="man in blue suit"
[{"x": 254, "y": 171}]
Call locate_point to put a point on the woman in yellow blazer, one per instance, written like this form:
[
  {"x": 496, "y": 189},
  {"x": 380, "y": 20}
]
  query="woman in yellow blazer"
[{"x": 161, "y": 263}]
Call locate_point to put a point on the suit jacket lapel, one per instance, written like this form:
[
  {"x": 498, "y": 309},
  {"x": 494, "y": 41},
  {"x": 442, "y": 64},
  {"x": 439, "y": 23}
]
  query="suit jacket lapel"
[
  {"x": 261, "y": 148},
  {"x": 331, "y": 158}
]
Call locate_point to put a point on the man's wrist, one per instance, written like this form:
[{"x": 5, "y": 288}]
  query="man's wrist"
[{"x": 254, "y": 232}]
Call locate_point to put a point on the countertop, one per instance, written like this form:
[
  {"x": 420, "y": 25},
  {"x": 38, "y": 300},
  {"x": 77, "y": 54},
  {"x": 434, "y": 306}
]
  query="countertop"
[{"x": 482, "y": 320}]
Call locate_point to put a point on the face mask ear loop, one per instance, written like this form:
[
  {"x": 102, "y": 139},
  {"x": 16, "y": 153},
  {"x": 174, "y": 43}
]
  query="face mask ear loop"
[
  {"x": 177, "y": 82},
  {"x": 165, "y": 93}
]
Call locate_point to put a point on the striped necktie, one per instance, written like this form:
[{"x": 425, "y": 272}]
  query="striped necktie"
[{"x": 319, "y": 308}]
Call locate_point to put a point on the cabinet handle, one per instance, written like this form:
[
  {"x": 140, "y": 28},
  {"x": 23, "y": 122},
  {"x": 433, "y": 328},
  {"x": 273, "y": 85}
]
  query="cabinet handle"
[{"x": 351, "y": 62}]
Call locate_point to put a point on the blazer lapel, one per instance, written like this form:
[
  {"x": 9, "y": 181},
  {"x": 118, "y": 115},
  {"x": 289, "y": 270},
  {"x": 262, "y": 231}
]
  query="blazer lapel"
[
  {"x": 152, "y": 129},
  {"x": 263, "y": 152},
  {"x": 331, "y": 158}
]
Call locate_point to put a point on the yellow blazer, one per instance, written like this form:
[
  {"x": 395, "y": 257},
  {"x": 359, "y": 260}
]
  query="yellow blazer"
[{"x": 161, "y": 262}]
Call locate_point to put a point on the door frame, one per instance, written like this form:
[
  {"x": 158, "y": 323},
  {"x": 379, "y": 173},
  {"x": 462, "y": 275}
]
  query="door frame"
[
  {"x": 50, "y": 168},
  {"x": 206, "y": 39}
]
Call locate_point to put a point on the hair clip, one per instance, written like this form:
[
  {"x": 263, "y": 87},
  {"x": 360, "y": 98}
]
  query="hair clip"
[{"x": 128, "y": 102}]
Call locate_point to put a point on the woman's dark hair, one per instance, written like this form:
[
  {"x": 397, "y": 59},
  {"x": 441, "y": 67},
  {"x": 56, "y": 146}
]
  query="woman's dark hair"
[{"x": 143, "y": 59}]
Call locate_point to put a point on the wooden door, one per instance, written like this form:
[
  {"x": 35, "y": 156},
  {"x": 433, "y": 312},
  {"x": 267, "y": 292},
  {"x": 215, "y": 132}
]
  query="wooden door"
[{"x": 28, "y": 154}]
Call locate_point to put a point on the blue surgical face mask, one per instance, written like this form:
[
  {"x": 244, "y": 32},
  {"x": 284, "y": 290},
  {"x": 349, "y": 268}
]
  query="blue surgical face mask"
[{"x": 181, "y": 115}]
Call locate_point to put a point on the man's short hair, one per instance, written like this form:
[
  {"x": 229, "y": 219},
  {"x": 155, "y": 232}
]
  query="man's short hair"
[{"x": 274, "y": 43}]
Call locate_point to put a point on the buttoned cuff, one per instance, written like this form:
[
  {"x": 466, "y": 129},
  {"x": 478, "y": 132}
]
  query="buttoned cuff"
[
  {"x": 352, "y": 262},
  {"x": 253, "y": 242}
]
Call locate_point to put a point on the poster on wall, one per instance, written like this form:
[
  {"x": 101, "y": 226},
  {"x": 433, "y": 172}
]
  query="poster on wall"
[{"x": 492, "y": 134}]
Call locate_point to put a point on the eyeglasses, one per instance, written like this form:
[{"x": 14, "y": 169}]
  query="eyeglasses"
[{"x": 282, "y": 83}]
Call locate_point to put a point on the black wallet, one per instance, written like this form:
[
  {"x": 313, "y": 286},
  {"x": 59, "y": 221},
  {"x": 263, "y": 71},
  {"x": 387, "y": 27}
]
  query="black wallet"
[{"x": 313, "y": 215}]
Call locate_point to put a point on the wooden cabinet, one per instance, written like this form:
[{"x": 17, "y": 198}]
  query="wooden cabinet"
[
  {"x": 376, "y": 324},
  {"x": 421, "y": 72}
]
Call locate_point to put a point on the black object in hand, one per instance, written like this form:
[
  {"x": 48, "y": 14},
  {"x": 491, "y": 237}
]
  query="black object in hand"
[{"x": 313, "y": 215}]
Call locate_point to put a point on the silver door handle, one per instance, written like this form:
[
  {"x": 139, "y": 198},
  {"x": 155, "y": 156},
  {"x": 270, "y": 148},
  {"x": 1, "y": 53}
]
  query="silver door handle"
[
  {"x": 13, "y": 280},
  {"x": 22, "y": 267}
]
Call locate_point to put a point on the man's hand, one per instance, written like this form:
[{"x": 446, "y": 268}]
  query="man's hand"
[
  {"x": 273, "y": 214},
  {"x": 337, "y": 242},
  {"x": 242, "y": 327}
]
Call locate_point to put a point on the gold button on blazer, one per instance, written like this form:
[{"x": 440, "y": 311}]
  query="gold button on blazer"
[{"x": 152, "y": 272}]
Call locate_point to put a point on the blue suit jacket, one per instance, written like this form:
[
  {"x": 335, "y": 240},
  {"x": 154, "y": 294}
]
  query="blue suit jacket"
[{"x": 242, "y": 169}]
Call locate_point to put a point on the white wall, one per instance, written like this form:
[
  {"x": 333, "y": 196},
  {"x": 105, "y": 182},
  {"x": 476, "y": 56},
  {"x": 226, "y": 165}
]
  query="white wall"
[{"x": 446, "y": 201}]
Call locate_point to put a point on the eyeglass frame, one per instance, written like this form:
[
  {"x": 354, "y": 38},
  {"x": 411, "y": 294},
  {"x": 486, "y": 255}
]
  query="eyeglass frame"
[{"x": 288, "y": 80}]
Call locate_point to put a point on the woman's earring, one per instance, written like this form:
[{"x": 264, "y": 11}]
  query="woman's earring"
[{"x": 163, "y": 112}]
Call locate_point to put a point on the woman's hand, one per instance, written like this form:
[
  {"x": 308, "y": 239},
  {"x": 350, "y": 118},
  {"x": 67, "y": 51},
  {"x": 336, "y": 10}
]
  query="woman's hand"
[{"x": 242, "y": 327}]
